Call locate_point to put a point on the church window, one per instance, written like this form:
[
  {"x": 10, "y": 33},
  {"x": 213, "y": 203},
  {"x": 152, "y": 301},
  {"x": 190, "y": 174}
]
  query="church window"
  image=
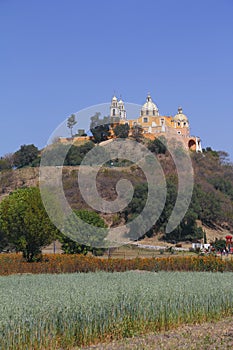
[
  {"x": 178, "y": 123},
  {"x": 113, "y": 111},
  {"x": 153, "y": 111},
  {"x": 147, "y": 112},
  {"x": 145, "y": 120},
  {"x": 184, "y": 123},
  {"x": 178, "y": 132},
  {"x": 161, "y": 121}
]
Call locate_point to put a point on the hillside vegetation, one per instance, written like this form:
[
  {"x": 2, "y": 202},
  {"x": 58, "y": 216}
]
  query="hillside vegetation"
[{"x": 212, "y": 200}]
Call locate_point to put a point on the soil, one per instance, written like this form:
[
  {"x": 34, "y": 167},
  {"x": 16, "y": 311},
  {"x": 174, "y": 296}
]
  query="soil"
[{"x": 207, "y": 336}]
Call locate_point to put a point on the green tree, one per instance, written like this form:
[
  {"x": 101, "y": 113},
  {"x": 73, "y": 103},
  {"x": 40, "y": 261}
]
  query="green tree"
[
  {"x": 76, "y": 154},
  {"x": 71, "y": 122},
  {"x": 209, "y": 211},
  {"x": 4, "y": 165},
  {"x": 7, "y": 162},
  {"x": 223, "y": 185},
  {"x": 158, "y": 145},
  {"x": 121, "y": 131},
  {"x": 88, "y": 234},
  {"x": 25, "y": 223},
  {"x": 137, "y": 132},
  {"x": 69, "y": 246},
  {"x": 55, "y": 154},
  {"x": 3, "y": 241},
  {"x": 219, "y": 244},
  {"x": 100, "y": 133},
  {"x": 25, "y": 155}
]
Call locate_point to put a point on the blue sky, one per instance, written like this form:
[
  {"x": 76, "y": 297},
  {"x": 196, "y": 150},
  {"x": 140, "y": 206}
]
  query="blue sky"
[{"x": 60, "y": 56}]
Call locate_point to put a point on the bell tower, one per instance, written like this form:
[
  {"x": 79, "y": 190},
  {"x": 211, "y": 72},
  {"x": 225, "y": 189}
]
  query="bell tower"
[
  {"x": 114, "y": 109},
  {"x": 117, "y": 109}
]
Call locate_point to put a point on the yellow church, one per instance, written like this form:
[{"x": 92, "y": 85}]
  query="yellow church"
[{"x": 155, "y": 125}]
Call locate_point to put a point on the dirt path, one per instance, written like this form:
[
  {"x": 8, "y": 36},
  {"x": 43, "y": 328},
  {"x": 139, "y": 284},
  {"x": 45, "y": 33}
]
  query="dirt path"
[{"x": 207, "y": 336}]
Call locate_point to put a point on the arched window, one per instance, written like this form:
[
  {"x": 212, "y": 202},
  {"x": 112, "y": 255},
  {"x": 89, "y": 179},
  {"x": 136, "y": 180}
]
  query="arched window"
[
  {"x": 147, "y": 112},
  {"x": 113, "y": 111}
]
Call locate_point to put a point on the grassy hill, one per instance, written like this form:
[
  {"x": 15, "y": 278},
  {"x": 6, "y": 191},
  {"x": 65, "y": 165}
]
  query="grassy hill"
[{"x": 211, "y": 206}]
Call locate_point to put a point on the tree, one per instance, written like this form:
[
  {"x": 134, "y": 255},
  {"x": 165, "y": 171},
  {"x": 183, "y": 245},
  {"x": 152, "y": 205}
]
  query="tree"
[
  {"x": 219, "y": 244},
  {"x": 25, "y": 155},
  {"x": 93, "y": 237},
  {"x": 4, "y": 165},
  {"x": 25, "y": 223},
  {"x": 7, "y": 161},
  {"x": 3, "y": 241},
  {"x": 101, "y": 133},
  {"x": 209, "y": 211},
  {"x": 158, "y": 145},
  {"x": 121, "y": 131},
  {"x": 71, "y": 123},
  {"x": 76, "y": 154},
  {"x": 137, "y": 132}
]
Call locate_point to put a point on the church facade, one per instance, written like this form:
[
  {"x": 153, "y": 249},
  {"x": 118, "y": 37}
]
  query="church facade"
[{"x": 154, "y": 124}]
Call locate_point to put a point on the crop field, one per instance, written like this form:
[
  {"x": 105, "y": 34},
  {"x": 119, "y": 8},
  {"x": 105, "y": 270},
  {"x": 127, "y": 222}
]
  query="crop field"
[{"x": 61, "y": 311}]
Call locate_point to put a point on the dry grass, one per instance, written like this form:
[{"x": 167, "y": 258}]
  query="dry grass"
[{"x": 206, "y": 336}]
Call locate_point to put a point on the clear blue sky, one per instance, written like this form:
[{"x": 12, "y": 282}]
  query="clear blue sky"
[{"x": 59, "y": 56}]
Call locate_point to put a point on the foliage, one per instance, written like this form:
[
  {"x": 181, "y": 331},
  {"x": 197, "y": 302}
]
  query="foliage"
[
  {"x": 219, "y": 244},
  {"x": 3, "y": 241},
  {"x": 71, "y": 247},
  {"x": 25, "y": 155},
  {"x": 68, "y": 263},
  {"x": 92, "y": 218},
  {"x": 59, "y": 154},
  {"x": 5, "y": 164},
  {"x": 80, "y": 309},
  {"x": 211, "y": 152},
  {"x": 223, "y": 185},
  {"x": 186, "y": 230},
  {"x": 204, "y": 237},
  {"x": 100, "y": 127},
  {"x": 25, "y": 223},
  {"x": 76, "y": 154},
  {"x": 121, "y": 130},
  {"x": 85, "y": 227},
  {"x": 209, "y": 205},
  {"x": 158, "y": 145},
  {"x": 100, "y": 133},
  {"x": 137, "y": 133},
  {"x": 71, "y": 122}
]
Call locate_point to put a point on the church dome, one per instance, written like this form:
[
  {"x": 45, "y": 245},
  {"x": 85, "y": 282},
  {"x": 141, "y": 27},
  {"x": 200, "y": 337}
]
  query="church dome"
[
  {"x": 114, "y": 98},
  {"x": 149, "y": 107},
  {"x": 180, "y": 115}
]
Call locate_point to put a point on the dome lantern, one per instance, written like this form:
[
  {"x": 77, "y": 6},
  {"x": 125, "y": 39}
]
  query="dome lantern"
[
  {"x": 149, "y": 107},
  {"x": 180, "y": 116}
]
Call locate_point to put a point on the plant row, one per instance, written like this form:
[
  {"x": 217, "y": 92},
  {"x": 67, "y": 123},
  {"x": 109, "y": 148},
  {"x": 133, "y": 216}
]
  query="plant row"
[{"x": 64, "y": 263}]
